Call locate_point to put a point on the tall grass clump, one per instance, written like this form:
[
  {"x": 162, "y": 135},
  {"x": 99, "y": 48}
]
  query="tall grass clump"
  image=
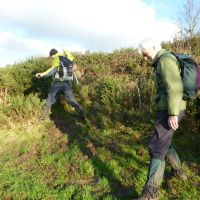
[
  {"x": 20, "y": 77},
  {"x": 20, "y": 109}
]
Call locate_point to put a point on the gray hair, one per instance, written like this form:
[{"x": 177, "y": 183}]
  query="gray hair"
[{"x": 149, "y": 44}]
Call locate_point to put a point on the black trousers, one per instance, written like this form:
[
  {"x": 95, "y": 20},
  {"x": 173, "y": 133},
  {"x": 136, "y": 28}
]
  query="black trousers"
[{"x": 161, "y": 140}]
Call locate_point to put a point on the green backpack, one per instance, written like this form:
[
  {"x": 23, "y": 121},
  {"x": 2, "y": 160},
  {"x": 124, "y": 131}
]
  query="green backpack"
[{"x": 190, "y": 74}]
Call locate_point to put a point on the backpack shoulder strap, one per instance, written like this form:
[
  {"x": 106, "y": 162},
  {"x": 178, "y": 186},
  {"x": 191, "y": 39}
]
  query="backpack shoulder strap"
[{"x": 155, "y": 63}]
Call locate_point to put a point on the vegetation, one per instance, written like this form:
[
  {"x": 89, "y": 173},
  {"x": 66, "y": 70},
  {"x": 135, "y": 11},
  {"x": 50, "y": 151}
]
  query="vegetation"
[
  {"x": 188, "y": 19},
  {"x": 105, "y": 157}
]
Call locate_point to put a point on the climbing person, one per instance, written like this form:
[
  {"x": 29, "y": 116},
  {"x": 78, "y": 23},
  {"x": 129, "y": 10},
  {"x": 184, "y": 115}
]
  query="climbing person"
[{"x": 62, "y": 72}]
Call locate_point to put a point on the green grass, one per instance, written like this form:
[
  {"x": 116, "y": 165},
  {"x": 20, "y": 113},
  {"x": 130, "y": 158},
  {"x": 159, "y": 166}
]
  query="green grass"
[{"x": 69, "y": 159}]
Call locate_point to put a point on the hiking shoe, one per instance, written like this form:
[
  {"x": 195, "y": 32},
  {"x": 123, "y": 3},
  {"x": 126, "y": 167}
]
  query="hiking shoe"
[
  {"x": 45, "y": 114},
  {"x": 180, "y": 174},
  {"x": 82, "y": 116},
  {"x": 149, "y": 193}
]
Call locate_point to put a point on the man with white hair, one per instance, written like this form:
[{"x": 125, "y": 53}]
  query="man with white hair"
[{"x": 171, "y": 109}]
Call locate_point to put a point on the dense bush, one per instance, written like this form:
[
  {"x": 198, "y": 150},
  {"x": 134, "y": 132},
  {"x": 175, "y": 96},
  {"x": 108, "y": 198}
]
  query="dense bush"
[
  {"x": 20, "y": 108},
  {"x": 20, "y": 78},
  {"x": 119, "y": 81}
]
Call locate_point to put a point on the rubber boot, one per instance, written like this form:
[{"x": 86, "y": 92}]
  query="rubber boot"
[
  {"x": 149, "y": 193},
  {"x": 156, "y": 172},
  {"x": 175, "y": 163},
  {"x": 154, "y": 179}
]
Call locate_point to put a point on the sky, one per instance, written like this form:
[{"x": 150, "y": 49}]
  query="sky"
[{"x": 32, "y": 27}]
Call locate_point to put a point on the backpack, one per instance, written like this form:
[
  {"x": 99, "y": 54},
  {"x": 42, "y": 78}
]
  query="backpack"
[
  {"x": 65, "y": 69},
  {"x": 190, "y": 74}
]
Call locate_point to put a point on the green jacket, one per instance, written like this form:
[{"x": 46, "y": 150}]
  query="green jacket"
[
  {"x": 53, "y": 71},
  {"x": 168, "y": 83}
]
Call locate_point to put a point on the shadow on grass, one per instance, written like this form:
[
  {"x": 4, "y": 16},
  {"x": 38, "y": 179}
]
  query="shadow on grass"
[{"x": 81, "y": 133}]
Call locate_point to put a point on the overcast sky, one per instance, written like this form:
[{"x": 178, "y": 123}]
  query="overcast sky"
[{"x": 32, "y": 27}]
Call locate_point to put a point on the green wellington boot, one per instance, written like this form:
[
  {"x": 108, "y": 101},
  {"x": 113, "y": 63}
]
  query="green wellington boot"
[
  {"x": 149, "y": 193},
  {"x": 175, "y": 163},
  {"x": 154, "y": 179}
]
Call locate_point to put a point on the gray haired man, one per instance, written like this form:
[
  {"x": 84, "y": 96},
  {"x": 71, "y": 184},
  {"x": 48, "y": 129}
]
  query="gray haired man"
[{"x": 170, "y": 110}]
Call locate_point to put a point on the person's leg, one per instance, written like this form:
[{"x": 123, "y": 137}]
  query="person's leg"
[
  {"x": 173, "y": 158},
  {"x": 175, "y": 163},
  {"x": 158, "y": 148},
  {"x": 51, "y": 99},
  {"x": 69, "y": 96},
  {"x": 155, "y": 172},
  {"x": 154, "y": 179}
]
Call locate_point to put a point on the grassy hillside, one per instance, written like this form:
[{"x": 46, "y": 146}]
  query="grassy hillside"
[{"x": 105, "y": 157}]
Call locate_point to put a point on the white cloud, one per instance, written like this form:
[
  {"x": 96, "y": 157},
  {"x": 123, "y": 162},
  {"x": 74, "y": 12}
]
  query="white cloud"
[
  {"x": 9, "y": 40},
  {"x": 35, "y": 26},
  {"x": 14, "y": 48}
]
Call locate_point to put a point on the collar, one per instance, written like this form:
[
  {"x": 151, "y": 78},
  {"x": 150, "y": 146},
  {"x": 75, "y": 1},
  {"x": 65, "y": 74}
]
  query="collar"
[{"x": 160, "y": 53}]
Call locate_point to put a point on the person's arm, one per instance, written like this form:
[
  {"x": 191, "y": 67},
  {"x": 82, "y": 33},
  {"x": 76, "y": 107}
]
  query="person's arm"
[
  {"x": 173, "y": 83},
  {"x": 174, "y": 88},
  {"x": 51, "y": 71}
]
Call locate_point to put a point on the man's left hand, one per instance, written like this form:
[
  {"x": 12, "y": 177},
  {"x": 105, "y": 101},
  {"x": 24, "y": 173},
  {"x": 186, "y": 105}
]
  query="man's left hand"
[{"x": 173, "y": 122}]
